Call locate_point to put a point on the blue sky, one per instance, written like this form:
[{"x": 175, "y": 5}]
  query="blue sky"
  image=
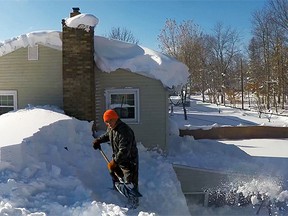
[{"x": 144, "y": 18}]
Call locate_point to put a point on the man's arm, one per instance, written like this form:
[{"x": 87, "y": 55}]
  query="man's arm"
[{"x": 103, "y": 138}]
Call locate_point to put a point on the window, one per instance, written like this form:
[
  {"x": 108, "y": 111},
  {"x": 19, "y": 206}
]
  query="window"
[
  {"x": 33, "y": 52},
  {"x": 125, "y": 102},
  {"x": 8, "y": 101}
]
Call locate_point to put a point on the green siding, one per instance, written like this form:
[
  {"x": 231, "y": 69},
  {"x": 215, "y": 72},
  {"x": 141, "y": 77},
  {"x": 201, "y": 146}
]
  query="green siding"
[
  {"x": 152, "y": 129},
  {"x": 38, "y": 82}
]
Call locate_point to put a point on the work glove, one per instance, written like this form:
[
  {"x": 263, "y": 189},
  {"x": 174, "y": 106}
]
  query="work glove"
[
  {"x": 112, "y": 165},
  {"x": 96, "y": 144}
]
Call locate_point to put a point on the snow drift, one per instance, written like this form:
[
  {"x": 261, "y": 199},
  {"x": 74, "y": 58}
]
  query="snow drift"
[
  {"x": 48, "y": 167},
  {"x": 55, "y": 170}
]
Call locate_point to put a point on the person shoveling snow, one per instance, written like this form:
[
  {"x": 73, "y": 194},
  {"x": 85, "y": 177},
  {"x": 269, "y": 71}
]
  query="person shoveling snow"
[{"x": 123, "y": 167}]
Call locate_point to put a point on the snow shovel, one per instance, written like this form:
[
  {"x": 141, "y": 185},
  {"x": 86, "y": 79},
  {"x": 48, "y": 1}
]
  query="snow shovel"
[{"x": 123, "y": 188}]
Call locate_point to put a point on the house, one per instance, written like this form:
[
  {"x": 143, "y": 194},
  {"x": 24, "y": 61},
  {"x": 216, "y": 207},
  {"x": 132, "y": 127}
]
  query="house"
[{"x": 86, "y": 74}]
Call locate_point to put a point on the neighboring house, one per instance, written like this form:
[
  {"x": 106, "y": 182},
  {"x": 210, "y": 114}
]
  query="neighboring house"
[{"x": 85, "y": 74}]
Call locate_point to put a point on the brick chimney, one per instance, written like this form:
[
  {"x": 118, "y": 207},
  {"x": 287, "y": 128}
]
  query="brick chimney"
[
  {"x": 75, "y": 11},
  {"x": 78, "y": 71}
]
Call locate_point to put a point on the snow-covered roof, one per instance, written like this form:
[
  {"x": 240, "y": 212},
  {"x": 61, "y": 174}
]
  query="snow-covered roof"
[
  {"x": 112, "y": 54},
  {"x": 109, "y": 55},
  {"x": 48, "y": 38}
]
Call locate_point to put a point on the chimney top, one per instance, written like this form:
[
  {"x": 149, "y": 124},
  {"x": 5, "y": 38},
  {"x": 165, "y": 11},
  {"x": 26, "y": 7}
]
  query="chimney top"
[{"x": 76, "y": 11}]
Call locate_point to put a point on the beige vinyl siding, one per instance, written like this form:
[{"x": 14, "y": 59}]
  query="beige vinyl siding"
[
  {"x": 152, "y": 128},
  {"x": 37, "y": 82}
]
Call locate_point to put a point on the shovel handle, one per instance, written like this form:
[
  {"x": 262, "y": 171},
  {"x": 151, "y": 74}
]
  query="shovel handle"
[
  {"x": 104, "y": 155},
  {"x": 107, "y": 160}
]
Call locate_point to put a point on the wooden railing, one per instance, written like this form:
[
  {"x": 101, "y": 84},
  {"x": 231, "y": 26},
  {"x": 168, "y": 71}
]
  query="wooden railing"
[{"x": 240, "y": 132}]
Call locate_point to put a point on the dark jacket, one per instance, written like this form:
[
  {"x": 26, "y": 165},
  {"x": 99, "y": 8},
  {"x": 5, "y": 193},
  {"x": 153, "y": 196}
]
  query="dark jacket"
[{"x": 122, "y": 139}]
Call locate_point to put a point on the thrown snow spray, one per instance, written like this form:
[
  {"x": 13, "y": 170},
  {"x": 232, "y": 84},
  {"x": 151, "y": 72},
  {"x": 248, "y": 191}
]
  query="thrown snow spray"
[{"x": 265, "y": 194}]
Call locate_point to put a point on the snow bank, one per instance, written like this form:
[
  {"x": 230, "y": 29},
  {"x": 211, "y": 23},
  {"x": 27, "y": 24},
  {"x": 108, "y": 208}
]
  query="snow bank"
[
  {"x": 50, "y": 168},
  {"x": 59, "y": 172},
  {"x": 21, "y": 124}
]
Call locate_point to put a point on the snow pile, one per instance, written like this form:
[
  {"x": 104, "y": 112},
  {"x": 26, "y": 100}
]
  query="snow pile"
[
  {"x": 48, "y": 167},
  {"x": 22, "y": 123},
  {"x": 82, "y": 21},
  {"x": 55, "y": 171}
]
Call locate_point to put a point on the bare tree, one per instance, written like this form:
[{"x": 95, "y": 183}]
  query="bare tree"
[
  {"x": 183, "y": 41},
  {"x": 279, "y": 13},
  {"x": 256, "y": 77},
  {"x": 262, "y": 33},
  {"x": 224, "y": 43},
  {"x": 122, "y": 34},
  {"x": 264, "y": 30},
  {"x": 269, "y": 29}
]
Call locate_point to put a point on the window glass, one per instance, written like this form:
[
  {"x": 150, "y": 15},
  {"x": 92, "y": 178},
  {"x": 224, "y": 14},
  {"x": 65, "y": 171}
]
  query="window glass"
[
  {"x": 7, "y": 101},
  {"x": 5, "y": 110},
  {"x": 125, "y": 103}
]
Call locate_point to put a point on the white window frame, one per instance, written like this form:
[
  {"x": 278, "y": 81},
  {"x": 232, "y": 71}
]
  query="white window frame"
[
  {"x": 33, "y": 53},
  {"x": 10, "y": 93},
  {"x": 133, "y": 91}
]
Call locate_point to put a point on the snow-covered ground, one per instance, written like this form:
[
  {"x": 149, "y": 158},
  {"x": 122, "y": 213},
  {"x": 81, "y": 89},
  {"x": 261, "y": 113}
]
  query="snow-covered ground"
[{"x": 48, "y": 165}]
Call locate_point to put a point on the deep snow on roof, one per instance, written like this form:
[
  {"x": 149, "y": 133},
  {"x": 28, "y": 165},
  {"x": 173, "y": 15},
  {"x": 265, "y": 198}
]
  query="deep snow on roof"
[
  {"x": 82, "y": 20},
  {"x": 109, "y": 55}
]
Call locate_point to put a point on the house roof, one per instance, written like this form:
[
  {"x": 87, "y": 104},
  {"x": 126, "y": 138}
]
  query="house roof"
[
  {"x": 109, "y": 55},
  {"x": 112, "y": 54}
]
